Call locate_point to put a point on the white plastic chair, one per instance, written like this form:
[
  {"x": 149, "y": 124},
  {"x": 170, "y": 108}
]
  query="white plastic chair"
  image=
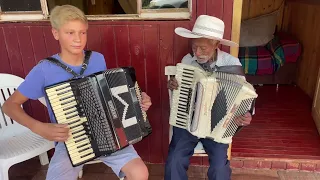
[
  {"x": 17, "y": 143},
  {"x": 198, "y": 150},
  {"x": 90, "y": 162}
]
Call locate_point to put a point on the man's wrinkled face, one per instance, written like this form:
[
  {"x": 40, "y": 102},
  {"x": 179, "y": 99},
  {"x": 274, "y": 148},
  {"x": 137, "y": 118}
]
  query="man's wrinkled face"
[{"x": 204, "y": 49}]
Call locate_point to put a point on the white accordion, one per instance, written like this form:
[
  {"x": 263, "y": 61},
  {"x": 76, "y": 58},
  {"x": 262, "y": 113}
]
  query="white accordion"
[{"x": 207, "y": 104}]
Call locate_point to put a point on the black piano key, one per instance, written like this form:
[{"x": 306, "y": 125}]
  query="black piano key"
[
  {"x": 61, "y": 88},
  {"x": 183, "y": 99},
  {"x": 189, "y": 73},
  {"x": 182, "y": 107},
  {"x": 84, "y": 149},
  {"x": 70, "y": 112},
  {"x": 78, "y": 131},
  {"x": 69, "y": 117},
  {"x": 67, "y": 108},
  {"x": 78, "y": 136},
  {"x": 78, "y": 147},
  {"x": 61, "y": 93},
  {"x": 61, "y": 99},
  {"x": 184, "y": 90},
  {"x": 86, "y": 155},
  {"x": 74, "y": 122},
  {"x": 186, "y": 84},
  {"x": 182, "y": 117},
  {"x": 75, "y": 126},
  {"x": 80, "y": 140},
  {"x": 67, "y": 102}
]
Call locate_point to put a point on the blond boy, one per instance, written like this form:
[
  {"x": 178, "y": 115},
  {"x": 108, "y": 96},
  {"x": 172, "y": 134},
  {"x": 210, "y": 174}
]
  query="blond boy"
[{"x": 69, "y": 27}]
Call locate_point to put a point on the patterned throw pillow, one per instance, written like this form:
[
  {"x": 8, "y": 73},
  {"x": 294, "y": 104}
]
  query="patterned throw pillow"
[{"x": 258, "y": 31}]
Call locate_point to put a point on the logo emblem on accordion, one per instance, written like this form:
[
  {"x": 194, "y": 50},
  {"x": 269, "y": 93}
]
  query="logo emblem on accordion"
[
  {"x": 116, "y": 91},
  {"x": 227, "y": 121}
]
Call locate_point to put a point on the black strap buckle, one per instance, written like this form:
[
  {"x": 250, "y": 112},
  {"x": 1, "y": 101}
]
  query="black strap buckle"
[
  {"x": 68, "y": 69},
  {"x": 84, "y": 66}
]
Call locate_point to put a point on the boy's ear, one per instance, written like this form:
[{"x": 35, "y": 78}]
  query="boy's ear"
[{"x": 55, "y": 33}]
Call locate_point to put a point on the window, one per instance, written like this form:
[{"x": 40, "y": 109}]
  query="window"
[{"x": 21, "y": 10}]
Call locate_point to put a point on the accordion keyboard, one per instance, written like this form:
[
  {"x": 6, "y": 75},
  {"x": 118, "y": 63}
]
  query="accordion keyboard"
[
  {"x": 66, "y": 104},
  {"x": 184, "y": 98}
]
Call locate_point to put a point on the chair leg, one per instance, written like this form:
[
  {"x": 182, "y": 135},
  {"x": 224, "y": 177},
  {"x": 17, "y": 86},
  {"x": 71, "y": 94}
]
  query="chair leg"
[
  {"x": 80, "y": 173},
  {"x": 44, "y": 160},
  {"x": 4, "y": 173}
]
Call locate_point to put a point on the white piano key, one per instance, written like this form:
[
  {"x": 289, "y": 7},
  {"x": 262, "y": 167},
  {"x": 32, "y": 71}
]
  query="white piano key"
[
  {"x": 54, "y": 89},
  {"x": 55, "y": 93},
  {"x": 55, "y": 97}
]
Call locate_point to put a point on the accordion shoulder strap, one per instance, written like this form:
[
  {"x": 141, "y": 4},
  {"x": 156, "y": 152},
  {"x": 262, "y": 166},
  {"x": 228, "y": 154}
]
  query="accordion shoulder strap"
[{"x": 68, "y": 69}]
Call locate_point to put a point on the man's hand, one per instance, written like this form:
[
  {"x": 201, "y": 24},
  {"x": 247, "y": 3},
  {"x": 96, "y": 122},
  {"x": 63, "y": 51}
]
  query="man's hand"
[
  {"x": 51, "y": 131},
  {"x": 244, "y": 120},
  {"x": 145, "y": 102},
  {"x": 172, "y": 84}
]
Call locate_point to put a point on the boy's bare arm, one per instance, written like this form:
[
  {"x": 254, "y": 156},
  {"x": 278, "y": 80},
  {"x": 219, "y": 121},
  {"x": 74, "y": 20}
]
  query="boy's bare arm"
[{"x": 12, "y": 108}]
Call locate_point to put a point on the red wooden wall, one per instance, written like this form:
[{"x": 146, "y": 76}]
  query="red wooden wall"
[{"x": 147, "y": 45}]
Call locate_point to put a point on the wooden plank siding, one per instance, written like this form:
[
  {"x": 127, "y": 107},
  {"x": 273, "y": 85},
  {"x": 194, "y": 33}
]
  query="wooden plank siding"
[
  {"x": 148, "y": 46},
  {"x": 302, "y": 19}
]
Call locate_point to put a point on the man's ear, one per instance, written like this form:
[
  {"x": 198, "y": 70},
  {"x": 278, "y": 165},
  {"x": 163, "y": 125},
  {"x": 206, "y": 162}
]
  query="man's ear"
[
  {"x": 55, "y": 33},
  {"x": 217, "y": 44}
]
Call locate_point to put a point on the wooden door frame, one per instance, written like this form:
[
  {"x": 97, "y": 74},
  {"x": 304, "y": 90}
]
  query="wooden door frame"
[
  {"x": 315, "y": 113},
  {"x": 235, "y": 37},
  {"x": 236, "y": 24}
]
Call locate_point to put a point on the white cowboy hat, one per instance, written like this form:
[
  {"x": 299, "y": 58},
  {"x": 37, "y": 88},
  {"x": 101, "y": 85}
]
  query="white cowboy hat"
[{"x": 206, "y": 27}]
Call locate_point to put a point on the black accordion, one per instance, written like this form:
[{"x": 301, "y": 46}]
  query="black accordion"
[{"x": 102, "y": 111}]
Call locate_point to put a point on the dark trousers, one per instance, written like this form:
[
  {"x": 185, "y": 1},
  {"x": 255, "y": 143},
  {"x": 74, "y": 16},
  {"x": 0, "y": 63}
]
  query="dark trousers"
[{"x": 181, "y": 149}]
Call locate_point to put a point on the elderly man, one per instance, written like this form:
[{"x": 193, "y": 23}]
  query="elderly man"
[{"x": 206, "y": 36}]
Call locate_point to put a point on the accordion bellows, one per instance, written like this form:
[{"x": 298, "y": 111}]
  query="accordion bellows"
[{"x": 207, "y": 104}]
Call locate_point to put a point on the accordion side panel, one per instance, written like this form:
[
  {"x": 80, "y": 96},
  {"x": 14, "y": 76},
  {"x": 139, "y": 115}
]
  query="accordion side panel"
[{"x": 142, "y": 116}]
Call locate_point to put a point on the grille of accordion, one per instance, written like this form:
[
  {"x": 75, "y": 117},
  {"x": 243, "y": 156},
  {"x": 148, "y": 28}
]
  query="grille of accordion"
[{"x": 138, "y": 92}]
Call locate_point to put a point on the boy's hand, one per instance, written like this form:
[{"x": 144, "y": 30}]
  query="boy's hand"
[
  {"x": 244, "y": 120},
  {"x": 172, "y": 83},
  {"x": 52, "y": 132},
  {"x": 145, "y": 102}
]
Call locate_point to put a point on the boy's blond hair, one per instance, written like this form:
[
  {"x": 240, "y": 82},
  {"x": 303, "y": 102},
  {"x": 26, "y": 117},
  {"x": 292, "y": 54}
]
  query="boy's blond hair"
[{"x": 62, "y": 14}]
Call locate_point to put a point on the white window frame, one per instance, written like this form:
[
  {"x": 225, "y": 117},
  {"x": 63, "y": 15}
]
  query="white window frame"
[
  {"x": 26, "y": 15},
  {"x": 142, "y": 14}
]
